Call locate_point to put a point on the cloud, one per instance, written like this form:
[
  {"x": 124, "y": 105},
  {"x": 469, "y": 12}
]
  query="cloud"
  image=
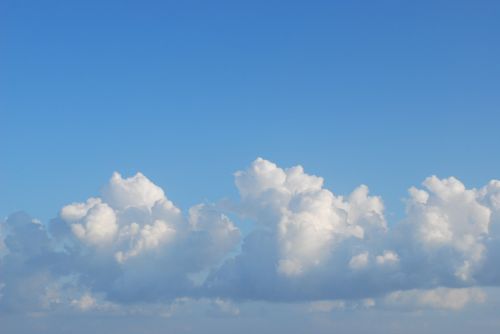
[
  {"x": 447, "y": 217},
  {"x": 130, "y": 245},
  {"x": 308, "y": 220},
  {"x": 225, "y": 308},
  {"x": 387, "y": 258},
  {"x": 327, "y": 305},
  {"x": 135, "y": 191},
  {"x": 93, "y": 222},
  {"x": 359, "y": 261},
  {"x": 85, "y": 302},
  {"x": 312, "y": 244},
  {"x": 439, "y": 298},
  {"x": 133, "y": 246},
  {"x": 25, "y": 266}
]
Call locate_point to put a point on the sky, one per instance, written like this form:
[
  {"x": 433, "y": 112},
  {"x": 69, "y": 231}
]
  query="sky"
[{"x": 267, "y": 165}]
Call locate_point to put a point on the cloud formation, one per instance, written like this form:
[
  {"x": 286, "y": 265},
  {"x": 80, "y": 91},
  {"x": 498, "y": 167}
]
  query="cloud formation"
[{"x": 133, "y": 245}]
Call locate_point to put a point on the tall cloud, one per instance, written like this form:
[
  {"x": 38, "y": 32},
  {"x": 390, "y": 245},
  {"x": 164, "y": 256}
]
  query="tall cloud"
[{"x": 307, "y": 219}]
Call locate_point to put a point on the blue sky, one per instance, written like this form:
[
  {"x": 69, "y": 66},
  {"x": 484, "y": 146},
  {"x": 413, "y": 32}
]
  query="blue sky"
[{"x": 382, "y": 93}]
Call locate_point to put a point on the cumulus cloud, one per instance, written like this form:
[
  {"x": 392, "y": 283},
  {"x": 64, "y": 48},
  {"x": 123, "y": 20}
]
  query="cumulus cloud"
[
  {"x": 448, "y": 220},
  {"x": 135, "y": 191},
  {"x": 132, "y": 245},
  {"x": 25, "y": 265},
  {"x": 308, "y": 219},
  {"x": 92, "y": 222}
]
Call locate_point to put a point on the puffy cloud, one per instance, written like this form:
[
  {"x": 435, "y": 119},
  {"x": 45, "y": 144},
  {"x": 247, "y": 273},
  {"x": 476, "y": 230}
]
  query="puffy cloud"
[
  {"x": 136, "y": 191},
  {"x": 309, "y": 220},
  {"x": 446, "y": 219},
  {"x": 490, "y": 195},
  {"x": 76, "y": 211},
  {"x": 305, "y": 236},
  {"x": 132, "y": 245},
  {"x": 143, "y": 231},
  {"x": 335, "y": 247},
  {"x": 359, "y": 261},
  {"x": 97, "y": 225},
  {"x": 387, "y": 258},
  {"x": 144, "y": 238}
]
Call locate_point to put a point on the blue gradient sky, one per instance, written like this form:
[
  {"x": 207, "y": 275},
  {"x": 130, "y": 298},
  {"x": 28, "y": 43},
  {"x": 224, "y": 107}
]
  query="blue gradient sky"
[{"x": 377, "y": 92}]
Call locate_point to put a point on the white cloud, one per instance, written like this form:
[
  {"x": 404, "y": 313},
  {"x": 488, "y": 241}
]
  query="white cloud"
[
  {"x": 447, "y": 216},
  {"x": 320, "y": 240},
  {"x": 387, "y": 258},
  {"x": 144, "y": 238},
  {"x": 136, "y": 191},
  {"x": 133, "y": 245},
  {"x": 76, "y": 211},
  {"x": 97, "y": 226},
  {"x": 310, "y": 221},
  {"x": 359, "y": 261},
  {"x": 490, "y": 194}
]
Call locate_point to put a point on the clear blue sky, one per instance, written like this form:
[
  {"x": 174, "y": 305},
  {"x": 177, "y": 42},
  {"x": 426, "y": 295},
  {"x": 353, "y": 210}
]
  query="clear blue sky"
[{"x": 376, "y": 92}]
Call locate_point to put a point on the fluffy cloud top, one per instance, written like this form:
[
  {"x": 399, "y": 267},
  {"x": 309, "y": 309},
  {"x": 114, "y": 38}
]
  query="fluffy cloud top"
[
  {"x": 136, "y": 191},
  {"x": 309, "y": 221},
  {"x": 449, "y": 220},
  {"x": 133, "y": 245}
]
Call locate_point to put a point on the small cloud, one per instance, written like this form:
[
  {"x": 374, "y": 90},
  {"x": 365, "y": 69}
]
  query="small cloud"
[
  {"x": 359, "y": 261},
  {"x": 85, "y": 302},
  {"x": 387, "y": 258},
  {"x": 326, "y": 306},
  {"x": 225, "y": 307}
]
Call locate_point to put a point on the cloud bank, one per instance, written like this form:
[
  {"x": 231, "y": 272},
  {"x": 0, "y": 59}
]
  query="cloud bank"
[{"x": 132, "y": 246}]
